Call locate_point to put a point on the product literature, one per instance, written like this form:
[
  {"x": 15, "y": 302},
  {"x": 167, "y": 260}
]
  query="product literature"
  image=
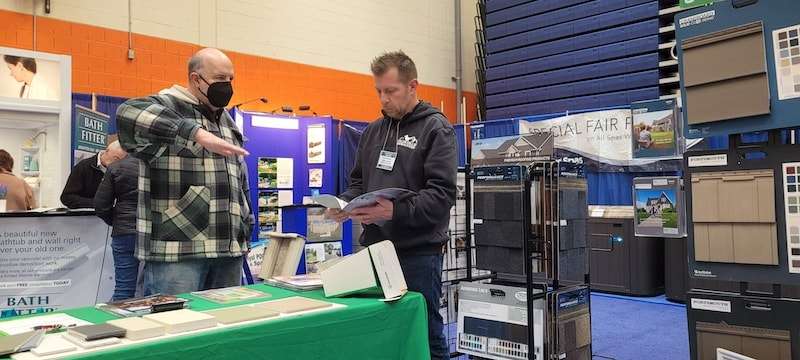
[
  {"x": 183, "y": 320},
  {"x": 137, "y": 328},
  {"x": 20, "y": 342},
  {"x": 319, "y": 228},
  {"x": 374, "y": 268},
  {"x": 144, "y": 305},
  {"x": 296, "y": 282},
  {"x": 368, "y": 199},
  {"x": 44, "y": 322},
  {"x": 231, "y": 294},
  {"x": 654, "y": 130},
  {"x": 316, "y": 144},
  {"x": 293, "y": 305},
  {"x": 281, "y": 255},
  {"x": 52, "y": 345},
  {"x": 237, "y": 314},
  {"x": 659, "y": 207},
  {"x": 96, "y": 332},
  {"x": 91, "y": 344},
  {"x": 315, "y": 178}
]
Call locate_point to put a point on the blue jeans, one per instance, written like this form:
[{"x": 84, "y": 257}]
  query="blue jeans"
[
  {"x": 172, "y": 278},
  {"x": 423, "y": 274},
  {"x": 126, "y": 266}
]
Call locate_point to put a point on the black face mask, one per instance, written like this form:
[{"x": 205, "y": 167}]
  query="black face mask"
[{"x": 219, "y": 94}]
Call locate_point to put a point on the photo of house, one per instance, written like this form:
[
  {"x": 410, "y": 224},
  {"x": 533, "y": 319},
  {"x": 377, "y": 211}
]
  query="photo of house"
[
  {"x": 512, "y": 149},
  {"x": 657, "y": 205},
  {"x": 656, "y": 208},
  {"x": 654, "y": 129}
]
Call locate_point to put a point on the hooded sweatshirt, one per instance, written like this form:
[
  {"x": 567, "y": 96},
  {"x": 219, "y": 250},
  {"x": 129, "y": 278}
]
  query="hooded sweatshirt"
[{"x": 426, "y": 163}]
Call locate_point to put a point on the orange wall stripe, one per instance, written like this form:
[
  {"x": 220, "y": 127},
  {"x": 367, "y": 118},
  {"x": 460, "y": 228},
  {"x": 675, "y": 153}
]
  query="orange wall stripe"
[{"x": 100, "y": 65}]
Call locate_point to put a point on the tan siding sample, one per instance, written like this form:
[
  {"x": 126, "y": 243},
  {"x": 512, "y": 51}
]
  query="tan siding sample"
[
  {"x": 704, "y": 199},
  {"x": 720, "y": 240},
  {"x": 755, "y": 244},
  {"x": 701, "y": 243},
  {"x": 766, "y": 197},
  {"x": 711, "y": 78},
  {"x": 734, "y": 217},
  {"x": 743, "y": 97},
  {"x": 707, "y": 58},
  {"x": 737, "y": 197}
]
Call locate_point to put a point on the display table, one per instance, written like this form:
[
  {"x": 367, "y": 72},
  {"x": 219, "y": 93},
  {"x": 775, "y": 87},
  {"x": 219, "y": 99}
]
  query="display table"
[{"x": 366, "y": 329}]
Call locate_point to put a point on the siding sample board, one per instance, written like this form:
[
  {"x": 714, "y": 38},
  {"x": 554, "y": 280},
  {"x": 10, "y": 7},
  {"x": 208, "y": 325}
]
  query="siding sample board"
[{"x": 734, "y": 217}]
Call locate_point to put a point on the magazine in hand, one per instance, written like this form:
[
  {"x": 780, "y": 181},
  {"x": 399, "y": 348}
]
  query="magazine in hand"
[
  {"x": 368, "y": 199},
  {"x": 144, "y": 305}
]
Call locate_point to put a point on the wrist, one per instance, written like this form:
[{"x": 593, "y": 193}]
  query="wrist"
[
  {"x": 192, "y": 132},
  {"x": 200, "y": 136}
]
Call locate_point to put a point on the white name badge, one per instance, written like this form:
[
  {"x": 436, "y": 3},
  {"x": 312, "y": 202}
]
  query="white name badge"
[{"x": 386, "y": 160}]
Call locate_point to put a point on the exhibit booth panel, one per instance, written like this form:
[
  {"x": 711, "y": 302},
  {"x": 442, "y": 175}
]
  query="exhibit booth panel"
[
  {"x": 35, "y": 120},
  {"x": 292, "y": 158}
]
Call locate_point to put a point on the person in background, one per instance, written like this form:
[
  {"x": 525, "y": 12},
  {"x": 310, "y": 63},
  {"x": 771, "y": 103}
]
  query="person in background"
[
  {"x": 115, "y": 202},
  {"x": 23, "y": 70},
  {"x": 645, "y": 138},
  {"x": 194, "y": 215},
  {"x": 19, "y": 195},
  {"x": 86, "y": 176},
  {"x": 413, "y": 147}
]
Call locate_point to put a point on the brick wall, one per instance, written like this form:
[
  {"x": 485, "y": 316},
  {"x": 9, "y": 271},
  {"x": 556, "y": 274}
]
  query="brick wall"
[{"x": 100, "y": 65}]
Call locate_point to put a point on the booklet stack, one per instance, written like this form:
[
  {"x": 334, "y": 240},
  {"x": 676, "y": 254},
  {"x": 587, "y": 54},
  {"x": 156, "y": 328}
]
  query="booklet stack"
[
  {"x": 304, "y": 282},
  {"x": 144, "y": 305}
]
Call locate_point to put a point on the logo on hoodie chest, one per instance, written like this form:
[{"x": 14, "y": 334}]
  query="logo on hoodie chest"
[{"x": 407, "y": 141}]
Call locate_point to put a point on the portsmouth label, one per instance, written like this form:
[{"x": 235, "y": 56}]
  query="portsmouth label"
[
  {"x": 697, "y": 19},
  {"x": 708, "y": 160},
  {"x": 711, "y": 305}
]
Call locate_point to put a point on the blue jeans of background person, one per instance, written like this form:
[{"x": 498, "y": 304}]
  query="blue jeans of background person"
[
  {"x": 172, "y": 278},
  {"x": 126, "y": 266},
  {"x": 423, "y": 274}
]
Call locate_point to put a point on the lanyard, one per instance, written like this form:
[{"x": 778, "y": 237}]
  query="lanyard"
[
  {"x": 387, "y": 159},
  {"x": 397, "y": 136}
]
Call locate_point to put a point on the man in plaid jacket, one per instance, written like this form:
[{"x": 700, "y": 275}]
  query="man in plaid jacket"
[{"x": 194, "y": 217}]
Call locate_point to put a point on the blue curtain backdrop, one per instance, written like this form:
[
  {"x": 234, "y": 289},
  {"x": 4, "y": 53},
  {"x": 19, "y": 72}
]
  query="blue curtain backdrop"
[{"x": 349, "y": 135}]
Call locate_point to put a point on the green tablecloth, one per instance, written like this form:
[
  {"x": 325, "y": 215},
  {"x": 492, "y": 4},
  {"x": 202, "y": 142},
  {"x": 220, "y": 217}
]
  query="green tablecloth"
[{"x": 366, "y": 329}]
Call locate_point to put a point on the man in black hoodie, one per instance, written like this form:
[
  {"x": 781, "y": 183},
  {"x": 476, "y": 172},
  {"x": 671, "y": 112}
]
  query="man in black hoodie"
[{"x": 413, "y": 147}]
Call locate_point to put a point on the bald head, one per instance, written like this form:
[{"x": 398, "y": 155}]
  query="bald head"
[
  {"x": 206, "y": 67},
  {"x": 208, "y": 57},
  {"x": 113, "y": 153}
]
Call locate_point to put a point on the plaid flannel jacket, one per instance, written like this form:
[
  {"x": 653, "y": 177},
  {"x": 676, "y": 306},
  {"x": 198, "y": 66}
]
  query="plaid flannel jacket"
[{"x": 192, "y": 203}]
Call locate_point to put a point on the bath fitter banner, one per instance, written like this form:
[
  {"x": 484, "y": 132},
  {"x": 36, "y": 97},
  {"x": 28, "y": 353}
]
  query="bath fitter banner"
[
  {"x": 50, "y": 263},
  {"x": 601, "y": 138},
  {"x": 91, "y": 133}
]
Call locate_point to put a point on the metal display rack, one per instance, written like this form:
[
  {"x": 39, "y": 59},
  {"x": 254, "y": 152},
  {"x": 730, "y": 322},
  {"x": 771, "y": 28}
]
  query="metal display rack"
[
  {"x": 535, "y": 188},
  {"x": 459, "y": 256}
]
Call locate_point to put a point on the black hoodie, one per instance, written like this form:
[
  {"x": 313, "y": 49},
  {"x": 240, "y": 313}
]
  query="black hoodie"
[{"x": 426, "y": 164}]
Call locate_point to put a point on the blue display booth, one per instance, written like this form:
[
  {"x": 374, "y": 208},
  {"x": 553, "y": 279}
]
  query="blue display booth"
[{"x": 297, "y": 154}]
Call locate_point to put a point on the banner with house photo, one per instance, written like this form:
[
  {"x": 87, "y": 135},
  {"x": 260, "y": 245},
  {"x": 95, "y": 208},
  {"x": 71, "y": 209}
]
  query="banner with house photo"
[{"x": 602, "y": 138}]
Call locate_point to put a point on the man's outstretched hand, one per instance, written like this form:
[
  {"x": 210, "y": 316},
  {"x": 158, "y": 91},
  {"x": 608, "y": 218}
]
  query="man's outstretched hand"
[{"x": 216, "y": 145}]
